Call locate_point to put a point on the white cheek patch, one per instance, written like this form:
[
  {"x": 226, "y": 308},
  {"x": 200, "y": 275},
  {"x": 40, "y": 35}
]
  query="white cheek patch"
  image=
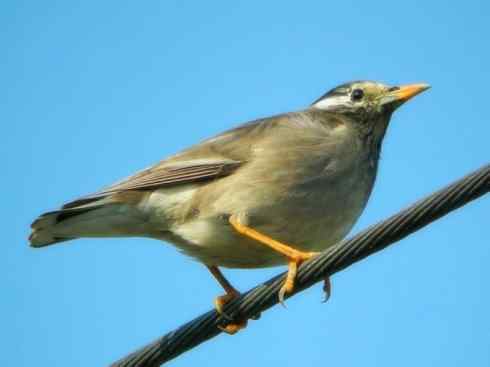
[{"x": 331, "y": 103}]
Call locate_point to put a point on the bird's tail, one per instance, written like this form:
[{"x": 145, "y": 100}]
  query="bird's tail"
[
  {"x": 49, "y": 228},
  {"x": 98, "y": 218}
]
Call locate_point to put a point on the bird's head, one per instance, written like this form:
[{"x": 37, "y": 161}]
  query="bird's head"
[{"x": 369, "y": 104}]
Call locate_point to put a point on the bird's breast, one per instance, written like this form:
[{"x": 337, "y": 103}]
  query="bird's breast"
[{"x": 309, "y": 214}]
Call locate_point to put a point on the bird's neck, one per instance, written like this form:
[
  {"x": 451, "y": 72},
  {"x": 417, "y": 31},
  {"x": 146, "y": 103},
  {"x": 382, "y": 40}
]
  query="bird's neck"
[{"x": 372, "y": 135}]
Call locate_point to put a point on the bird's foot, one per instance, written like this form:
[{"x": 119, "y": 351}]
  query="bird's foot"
[
  {"x": 234, "y": 326},
  {"x": 295, "y": 258}
]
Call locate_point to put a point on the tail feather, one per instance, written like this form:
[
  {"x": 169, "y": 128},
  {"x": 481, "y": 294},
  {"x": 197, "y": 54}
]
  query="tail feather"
[
  {"x": 44, "y": 227},
  {"x": 95, "y": 219}
]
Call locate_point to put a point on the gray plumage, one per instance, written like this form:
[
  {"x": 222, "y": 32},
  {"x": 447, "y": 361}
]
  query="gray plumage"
[{"x": 302, "y": 178}]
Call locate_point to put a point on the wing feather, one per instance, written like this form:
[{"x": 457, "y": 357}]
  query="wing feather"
[
  {"x": 211, "y": 159},
  {"x": 168, "y": 176},
  {"x": 158, "y": 177}
]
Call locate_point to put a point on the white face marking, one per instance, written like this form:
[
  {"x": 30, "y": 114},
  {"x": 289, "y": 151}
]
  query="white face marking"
[{"x": 330, "y": 103}]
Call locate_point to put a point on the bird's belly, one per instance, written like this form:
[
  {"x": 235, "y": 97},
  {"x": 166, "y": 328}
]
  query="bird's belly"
[
  {"x": 306, "y": 224},
  {"x": 214, "y": 242}
]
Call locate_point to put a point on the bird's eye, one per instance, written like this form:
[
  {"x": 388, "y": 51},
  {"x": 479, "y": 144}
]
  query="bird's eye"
[{"x": 357, "y": 94}]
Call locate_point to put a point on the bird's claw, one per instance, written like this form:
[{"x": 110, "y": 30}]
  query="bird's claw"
[
  {"x": 282, "y": 293},
  {"x": 286, "y": 288},
  {"x": 232, "y": 326},
  {"x": 220, "y": 301},
  {"x": 327, "y": 289}
]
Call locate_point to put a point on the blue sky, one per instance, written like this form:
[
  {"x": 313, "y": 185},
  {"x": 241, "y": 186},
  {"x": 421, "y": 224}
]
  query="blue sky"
[{"x": 93, "y": 91}]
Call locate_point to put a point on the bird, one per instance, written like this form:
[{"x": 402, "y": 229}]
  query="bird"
[{"x": 273, "y": 191}]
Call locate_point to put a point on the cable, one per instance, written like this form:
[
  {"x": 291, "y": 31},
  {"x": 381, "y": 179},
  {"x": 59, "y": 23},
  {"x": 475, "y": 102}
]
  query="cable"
[{"x": 332, "y": 260}]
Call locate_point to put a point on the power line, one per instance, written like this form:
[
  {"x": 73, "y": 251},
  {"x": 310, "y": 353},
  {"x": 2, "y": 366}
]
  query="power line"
[{"x": 332, "y": 260}]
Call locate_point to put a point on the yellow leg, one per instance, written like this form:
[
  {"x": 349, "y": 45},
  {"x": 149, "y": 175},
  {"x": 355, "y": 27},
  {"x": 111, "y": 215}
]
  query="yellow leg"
[
  {"x": 220, "y": 301},
  {"x": 294, "y": 256}
]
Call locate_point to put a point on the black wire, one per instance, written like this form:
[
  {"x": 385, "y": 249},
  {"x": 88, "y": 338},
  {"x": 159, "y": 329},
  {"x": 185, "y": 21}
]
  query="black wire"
[{"x": 332, "y": 260}]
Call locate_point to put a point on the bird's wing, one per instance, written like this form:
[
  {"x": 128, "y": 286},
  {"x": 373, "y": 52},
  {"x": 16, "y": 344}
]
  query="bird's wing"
[
  {"x": 162, "y": 175},
  {"x": 158, "y": 176},
  {"x": 214, "y": 158}
]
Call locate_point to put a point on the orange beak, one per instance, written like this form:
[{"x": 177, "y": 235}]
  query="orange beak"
[
  {"x": 411, "y": 90},
  {"x": 401, "y": 94}
]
